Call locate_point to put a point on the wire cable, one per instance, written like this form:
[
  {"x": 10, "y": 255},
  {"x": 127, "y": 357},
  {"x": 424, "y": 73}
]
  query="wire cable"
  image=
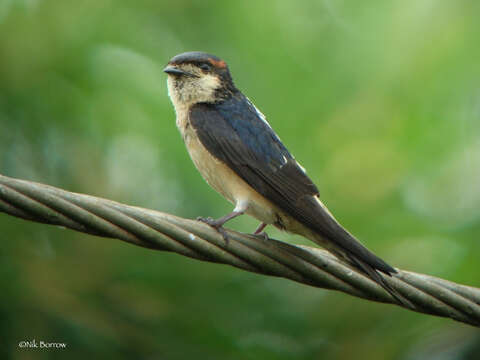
[{"x": 160, "y": 231}]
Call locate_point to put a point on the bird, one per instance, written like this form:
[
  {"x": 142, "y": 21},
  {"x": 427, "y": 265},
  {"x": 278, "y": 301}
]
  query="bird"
[{"x": 238, "y": 153}]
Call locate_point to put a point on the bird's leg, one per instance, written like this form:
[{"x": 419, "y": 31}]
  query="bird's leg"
[
  {"x": 260, "y": 232},
  {"x": 218, "y": 223},
  {"x": 260, "y": 228}
]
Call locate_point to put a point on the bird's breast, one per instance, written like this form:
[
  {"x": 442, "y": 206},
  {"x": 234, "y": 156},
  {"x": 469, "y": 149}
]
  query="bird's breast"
[
  {"x": 223, "y": 179},
  {"x": 215, "y": 173}
]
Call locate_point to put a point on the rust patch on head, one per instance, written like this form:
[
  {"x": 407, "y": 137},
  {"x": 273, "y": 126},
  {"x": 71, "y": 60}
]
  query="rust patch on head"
[{"x": 217, "y": 63}]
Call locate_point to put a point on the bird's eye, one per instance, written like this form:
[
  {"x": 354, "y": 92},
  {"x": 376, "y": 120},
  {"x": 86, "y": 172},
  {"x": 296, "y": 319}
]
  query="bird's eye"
[{"x": 205, "y": 67}]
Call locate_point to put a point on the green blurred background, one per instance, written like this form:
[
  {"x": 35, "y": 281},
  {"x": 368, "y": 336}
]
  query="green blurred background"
[{"x": 379, "y": 100}]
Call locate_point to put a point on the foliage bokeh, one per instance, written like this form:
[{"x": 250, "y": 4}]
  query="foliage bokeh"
[{"x": 379, "y": 100}]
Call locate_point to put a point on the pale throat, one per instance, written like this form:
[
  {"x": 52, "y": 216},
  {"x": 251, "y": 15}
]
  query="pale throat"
[{"x": 185, "y": 92}]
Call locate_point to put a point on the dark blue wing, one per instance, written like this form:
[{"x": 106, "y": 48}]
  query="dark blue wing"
[
  {"x": 235, "y": 133},
  {"x": 255, "y": 133}
]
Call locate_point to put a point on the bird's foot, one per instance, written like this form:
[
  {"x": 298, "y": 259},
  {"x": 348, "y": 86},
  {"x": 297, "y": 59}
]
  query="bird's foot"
[
  {"x": 217, "y": 224},
  {"x": 262, "y": 235}
]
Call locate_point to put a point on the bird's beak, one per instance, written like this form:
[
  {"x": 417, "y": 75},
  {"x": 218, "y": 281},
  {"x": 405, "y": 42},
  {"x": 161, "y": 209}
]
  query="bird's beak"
[{"x": 173, "y": 70}]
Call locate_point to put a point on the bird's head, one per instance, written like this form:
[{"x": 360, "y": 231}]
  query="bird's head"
[{"x": 196, "y": 77}]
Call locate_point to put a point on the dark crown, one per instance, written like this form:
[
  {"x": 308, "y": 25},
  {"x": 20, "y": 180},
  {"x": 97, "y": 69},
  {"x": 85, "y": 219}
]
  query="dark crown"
[{"x": 198, "y": 57}]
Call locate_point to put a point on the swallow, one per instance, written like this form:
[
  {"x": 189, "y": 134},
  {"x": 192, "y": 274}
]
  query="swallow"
[{"x": 239, "y": 155}]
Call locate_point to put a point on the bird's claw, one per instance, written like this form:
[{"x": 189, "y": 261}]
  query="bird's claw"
[
  {"x": 262, "y": 235},
  {"x": 207, "y": 220},
  {"x": 216, "y": 225}
]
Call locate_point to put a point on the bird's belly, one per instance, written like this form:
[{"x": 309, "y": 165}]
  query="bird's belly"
[{"x": 224, "y": 180}]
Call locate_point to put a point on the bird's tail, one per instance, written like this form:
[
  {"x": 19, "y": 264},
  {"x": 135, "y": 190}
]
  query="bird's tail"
[
  {"x": 346, "y": 247},
  {"x": 373, "y": 273},
  {"x": 369, "y": 264},
  {"x": 325, "y": 230}
]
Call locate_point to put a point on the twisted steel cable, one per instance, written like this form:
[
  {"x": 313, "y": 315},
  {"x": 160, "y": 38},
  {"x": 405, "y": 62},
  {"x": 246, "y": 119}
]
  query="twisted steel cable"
[{"x": 165, "y": 232}]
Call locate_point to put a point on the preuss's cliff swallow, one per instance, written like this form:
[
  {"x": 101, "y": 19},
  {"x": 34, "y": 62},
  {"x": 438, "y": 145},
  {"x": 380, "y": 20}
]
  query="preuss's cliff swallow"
[{"x": 240, "y": 156}]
